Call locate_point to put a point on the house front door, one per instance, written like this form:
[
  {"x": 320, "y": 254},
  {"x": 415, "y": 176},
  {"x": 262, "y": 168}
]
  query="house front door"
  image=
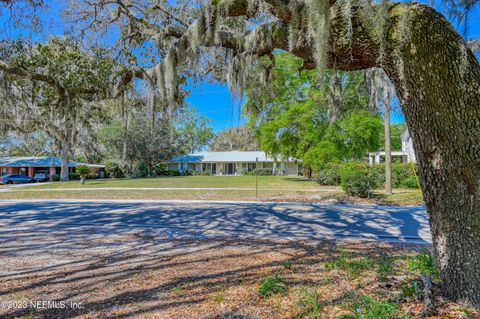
[{"x": 230, "y": 168}]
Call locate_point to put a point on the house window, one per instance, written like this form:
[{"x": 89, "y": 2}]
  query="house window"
[
  {"x": 22, "y": 171},
  {"x": 4, "y": 171},
  {"x": 251, "y": 166}
]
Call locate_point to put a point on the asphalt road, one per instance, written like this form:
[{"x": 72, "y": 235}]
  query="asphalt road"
[{"x": 179, "y": 219}]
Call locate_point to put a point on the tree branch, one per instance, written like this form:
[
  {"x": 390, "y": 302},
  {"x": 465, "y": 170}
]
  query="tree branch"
[{"x": 15, "y": 70}]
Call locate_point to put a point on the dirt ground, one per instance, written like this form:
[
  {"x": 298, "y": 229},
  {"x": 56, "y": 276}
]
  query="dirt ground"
[{"x": 137, "y": 275}]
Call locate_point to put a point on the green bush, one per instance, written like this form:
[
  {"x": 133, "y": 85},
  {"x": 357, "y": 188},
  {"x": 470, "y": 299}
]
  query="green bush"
[
  {"x": 328, "y": 174},
  {"x": 265, "y": 171},
  {"x": 190, "y": 172},
  {"x": 377, "y": 173},
  {"x": 83, "y": 170},
  {"x": 56, "y": 177},
  {"x": 408, "y": 182},
  {"x": 141, "y": 170},
  {"x": 206, "y": 173},
  {"x": 402, "y": 175},
  {"x": 115, "y": 170},
  {"x": 159, "y": 169},
  {"x": 261, "y": 172},
  {"x": 358, "y": 180},
  {"x": 173, "y": 172}
]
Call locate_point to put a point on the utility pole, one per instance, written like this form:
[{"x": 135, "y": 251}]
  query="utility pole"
[
  {"x": 256, "y": 178},
  {"x": 388, "y": 147}
]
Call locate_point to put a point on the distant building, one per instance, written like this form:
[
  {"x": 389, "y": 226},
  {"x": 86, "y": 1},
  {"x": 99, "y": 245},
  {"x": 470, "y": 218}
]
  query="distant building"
[
  {"x": 31, "y": 165},
  {"x": 407, "y": 153},
  {"x": 233, "y": 163}
]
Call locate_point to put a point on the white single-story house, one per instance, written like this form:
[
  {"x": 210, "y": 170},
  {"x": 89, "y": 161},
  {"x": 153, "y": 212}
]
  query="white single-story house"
[
  {"x": 233, "y": 163},
  {"x": 407, "y": 153},
  {"x": 30, "y": 165}
]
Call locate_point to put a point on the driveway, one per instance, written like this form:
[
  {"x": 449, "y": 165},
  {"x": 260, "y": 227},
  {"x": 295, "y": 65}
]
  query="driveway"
[
  {"x": 4, "y": 188},
  {"x": 199, "y": 219}
]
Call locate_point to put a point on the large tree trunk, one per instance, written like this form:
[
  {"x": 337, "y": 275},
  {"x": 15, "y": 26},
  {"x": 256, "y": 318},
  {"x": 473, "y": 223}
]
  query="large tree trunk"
[
  {"x": 65, "y": 149},
  {"x": 438, "y": 82},
  {"x": 335, "y": 110},
  {"x": 437, "y": 79},
  {"x": 64, "y": 156}
]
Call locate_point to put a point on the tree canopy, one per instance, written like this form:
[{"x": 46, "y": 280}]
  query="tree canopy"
[{"x": 237, "y": 138}]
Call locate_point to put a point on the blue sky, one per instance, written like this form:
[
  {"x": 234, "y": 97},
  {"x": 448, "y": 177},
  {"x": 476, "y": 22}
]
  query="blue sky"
[{"x": 212, "y": 100}]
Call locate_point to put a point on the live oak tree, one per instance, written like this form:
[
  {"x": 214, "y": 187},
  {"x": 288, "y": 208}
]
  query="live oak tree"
[
  {"x": 238, "y": 138},
  {"x": 56, "y": 88},
  {"x": 299, "y": 114},
  {"x": 152, "y": 145},
  {"x": 195, "y": 129}
]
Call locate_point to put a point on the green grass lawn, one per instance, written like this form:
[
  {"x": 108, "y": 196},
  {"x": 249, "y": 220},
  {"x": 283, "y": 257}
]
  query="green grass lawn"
[
  {"x": 272, "y": 182},
  {"x": 270, "y": 188}
]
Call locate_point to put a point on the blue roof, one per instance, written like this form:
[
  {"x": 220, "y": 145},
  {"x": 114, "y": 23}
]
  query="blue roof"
[
  {"x": 37, "y": 162},
  {"x": 231, "y": 156}
]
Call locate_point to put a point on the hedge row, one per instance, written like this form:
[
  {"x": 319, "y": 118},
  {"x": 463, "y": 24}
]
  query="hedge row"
[{"x": 359, "y": 179}]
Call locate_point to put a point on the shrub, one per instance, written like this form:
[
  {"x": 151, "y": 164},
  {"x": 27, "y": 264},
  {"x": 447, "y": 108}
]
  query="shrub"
[
  {"x": 261, "y": 172},
  {"x": 159, "y": 169},
  {"x": 113, "y": 169},
  {"x": 403, "y": 176},
  {"x": 408, "y": 182},
  {"x": 141, "y": 170},
  {"x": 56, "y": 177},
  {"x": 93, "y": 176},
  {"x": 328, "y": 174},
  {"x": 265, "y": 171},
  {"x": 173, "y": 172},
  {"x": 272, "y": 285},
  {"x": 377, "y": 173},
  {"x": 84, "y": 171},
  {"x": 358, "y": 180},
  {"x": 206, "y": 173},
  {"x": 190, "y": 172}
]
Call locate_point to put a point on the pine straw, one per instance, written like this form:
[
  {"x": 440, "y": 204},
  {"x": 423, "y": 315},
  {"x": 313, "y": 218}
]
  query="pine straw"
[{"x": 135, "y": 275}]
